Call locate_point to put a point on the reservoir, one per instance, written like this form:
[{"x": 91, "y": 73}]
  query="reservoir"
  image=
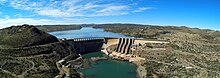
[
  {"x": 85, "y": 32},
  {"x": 102, "y": 68}
]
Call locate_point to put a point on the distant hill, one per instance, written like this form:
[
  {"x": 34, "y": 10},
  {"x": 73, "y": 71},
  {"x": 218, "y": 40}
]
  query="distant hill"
[
  {"x": 23, "y": 36},
  {"x": 51, "y": 28}
]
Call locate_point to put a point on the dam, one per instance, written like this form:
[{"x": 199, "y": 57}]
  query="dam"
[
  {"x": 96, "y": 44},
  {"x": 91, "y": 47},
  {"x": 89, "y": 41},
  {"x": 86, "y": 45},
  {"x": 102, "y": 65}
]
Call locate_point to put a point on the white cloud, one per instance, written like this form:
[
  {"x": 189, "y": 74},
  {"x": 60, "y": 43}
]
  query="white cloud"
[
  {"x": 6, "y": 17},
  {"x": 53, "y": 13},
  {"x": 18, "y": 15},
  {"x": 112, "y": 10},
  {"x": 2, "y": 1},
  {"x": 24, "y": 4},
  {"x": 67, "y": 9},
  {"x": 72, "y": 8},
  {"x": 19, "y": 21},
  {"x": 142, "y": 9}
]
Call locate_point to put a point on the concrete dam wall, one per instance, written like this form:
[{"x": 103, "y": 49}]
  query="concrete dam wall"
[{"x": 86, "y": 45}]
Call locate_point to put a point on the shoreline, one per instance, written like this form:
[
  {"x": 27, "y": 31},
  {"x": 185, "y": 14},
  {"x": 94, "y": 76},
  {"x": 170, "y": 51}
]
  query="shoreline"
[
  {"x": 107, "y": 58},
  {"x": 141, "y": 71}
]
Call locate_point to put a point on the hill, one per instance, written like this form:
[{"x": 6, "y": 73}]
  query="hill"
[
  {"x": 27, "y": 52},
  {"x": 23, "y": 36},
  {"x": 51, "y": 28}
]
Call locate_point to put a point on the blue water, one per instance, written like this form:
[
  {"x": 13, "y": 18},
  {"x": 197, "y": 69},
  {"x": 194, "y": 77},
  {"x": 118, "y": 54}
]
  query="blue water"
[
  {"x": 109, "y": 68},
  {"x": 85, "y": 32}
]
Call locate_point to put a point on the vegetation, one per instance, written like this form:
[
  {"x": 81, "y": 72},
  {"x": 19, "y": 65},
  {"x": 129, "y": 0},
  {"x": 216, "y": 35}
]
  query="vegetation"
[
  {"x": 33, "y": 53},
  {"x": 23, "y": 36},
  {"x": 74, "y": 73}
]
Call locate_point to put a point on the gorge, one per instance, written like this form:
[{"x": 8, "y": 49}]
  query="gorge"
[{"x": 103, "y": 68}]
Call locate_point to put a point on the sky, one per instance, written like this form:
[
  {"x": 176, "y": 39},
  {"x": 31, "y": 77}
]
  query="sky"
[{"x": 203, "y": 14}]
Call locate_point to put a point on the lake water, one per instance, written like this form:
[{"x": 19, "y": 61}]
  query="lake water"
[
  {"x": 102, "y": 68},
  {"x": 109, "y": 68},
  {"x": 85, "y": 32}
]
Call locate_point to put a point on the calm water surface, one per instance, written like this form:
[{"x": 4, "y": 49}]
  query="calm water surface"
[
  {"x": 103, "y": 68},
  {"x": 109, "y": 68},
  {"x": 84, "y": 33}
]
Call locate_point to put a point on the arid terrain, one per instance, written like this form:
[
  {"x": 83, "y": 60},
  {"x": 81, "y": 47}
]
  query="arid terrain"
[{"x": 192, "y": 52}]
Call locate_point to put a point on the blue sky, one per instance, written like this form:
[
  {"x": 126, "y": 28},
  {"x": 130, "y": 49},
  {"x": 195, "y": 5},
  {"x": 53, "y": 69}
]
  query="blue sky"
[{"x": 191, "y": 13}]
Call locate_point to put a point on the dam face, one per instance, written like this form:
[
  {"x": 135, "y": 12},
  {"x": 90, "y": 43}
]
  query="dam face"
[{"x": 87, "y": 45}]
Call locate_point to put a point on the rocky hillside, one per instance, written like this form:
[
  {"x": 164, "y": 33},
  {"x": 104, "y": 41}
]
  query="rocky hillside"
[
  {"x": 27, "y": 52},
  {"x": 23, "y": 36}
]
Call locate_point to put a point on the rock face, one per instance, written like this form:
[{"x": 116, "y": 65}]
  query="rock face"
[{"x": 23, "y": 36}]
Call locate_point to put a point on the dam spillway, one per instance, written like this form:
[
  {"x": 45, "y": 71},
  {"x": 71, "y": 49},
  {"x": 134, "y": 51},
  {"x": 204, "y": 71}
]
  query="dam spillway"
[{"x": 124, "y": 45}]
